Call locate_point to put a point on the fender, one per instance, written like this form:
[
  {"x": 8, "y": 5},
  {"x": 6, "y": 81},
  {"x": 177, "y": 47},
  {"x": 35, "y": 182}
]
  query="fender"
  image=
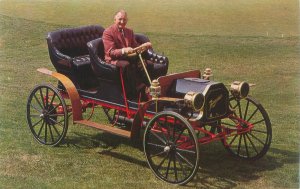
[{"x": 71, "y": 90}]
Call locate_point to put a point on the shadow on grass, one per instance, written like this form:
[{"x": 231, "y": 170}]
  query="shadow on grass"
[
  {"x": 217, "y": 168},
  {"x": 104, "y": 140},
  {"x": 107, "y": 142}
]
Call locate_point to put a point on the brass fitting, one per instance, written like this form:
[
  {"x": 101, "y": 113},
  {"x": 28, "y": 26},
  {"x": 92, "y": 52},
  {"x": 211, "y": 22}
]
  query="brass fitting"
[
  {"x": 207, "y": 74},
  {"x": 194, "y": 100},
  {"x": 239, "y": 89},
  {"x": 155, "y": 89}
]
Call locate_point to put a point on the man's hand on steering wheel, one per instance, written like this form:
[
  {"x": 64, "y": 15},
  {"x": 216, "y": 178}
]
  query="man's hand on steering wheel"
[
  {"x": 143, "y": 47},
  {"x": 138, "y": 50},
  {"x": 127, "y": 50}
]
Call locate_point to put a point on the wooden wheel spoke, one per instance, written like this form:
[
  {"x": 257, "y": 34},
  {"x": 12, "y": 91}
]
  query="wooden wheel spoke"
[
  {"x": 46, "y": 126},
  {"x": 239, "y": 146},
  {"x": 63, "y": 120},
  {"x": 252, "y": 114},
  {"x": 42, "y": 97},
  {"x": 188, "y": 151},
  {"x": 158, "y": 137},
  {"x": 168, "y": 168},
  {"x": 35, "y": 115},
  {"x": 55, "y": 129},
  {"x": 47, "y": 97},
  {"x": 158, "y": 154},
  {"x": 246, "y": 111},
  {"x": 175, "y": 168},
  {"x": 162, "y": 162},
  {"x": 265, "y": 132},
  {"x": 51, "y": 134},
  {"x": 258, "y": 121},
  {"x": 246, "y": 145},
  {"x": 40, "y": 111},
  {"x": 257, "y": 139},
  {"x": 38, "y": 101},
  {"x": 160, "y": 128},
  {"x": 59, "y": 123},
  {"x": 252, "y": 144},
  {"x": 54, "y": 108},
  {"x": 232, "y": 106},
  {"x": 39, "y": 133},
  {"x": 52, "y": 100},
  {"x": 37, "y": 123},
  {"x": 185, "y": 160},
  {"x": 181, "y": 166},
  {"x": 156, "y": 145},
  {"x": 69, "y": 115},
  {"x": 178, "y": 137},
  {"x": 233, "y": 139}
]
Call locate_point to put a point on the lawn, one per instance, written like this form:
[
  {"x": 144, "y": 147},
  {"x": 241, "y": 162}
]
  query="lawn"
[{"x": 256, "y": 41}]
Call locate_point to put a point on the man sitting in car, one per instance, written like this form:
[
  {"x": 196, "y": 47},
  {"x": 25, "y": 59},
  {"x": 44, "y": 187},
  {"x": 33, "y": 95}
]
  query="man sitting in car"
[{"x": 119, "y": 42}]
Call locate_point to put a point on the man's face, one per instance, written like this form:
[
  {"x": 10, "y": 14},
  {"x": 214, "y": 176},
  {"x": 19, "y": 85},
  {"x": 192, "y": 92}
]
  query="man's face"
[{"x": 121, "y": 20}]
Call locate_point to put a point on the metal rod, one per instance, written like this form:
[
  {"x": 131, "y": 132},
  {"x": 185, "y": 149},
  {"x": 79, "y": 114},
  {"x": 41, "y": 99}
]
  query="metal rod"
[{"x": 145, "y": 69}]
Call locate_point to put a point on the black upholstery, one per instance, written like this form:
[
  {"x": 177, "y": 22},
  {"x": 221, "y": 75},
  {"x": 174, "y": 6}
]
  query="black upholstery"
[
  {"x": 69, "y": 53},
  {"x": 78, "y": 53},
  {"x": 109, "y": 71},
  {"x": 101, "y": 69}
]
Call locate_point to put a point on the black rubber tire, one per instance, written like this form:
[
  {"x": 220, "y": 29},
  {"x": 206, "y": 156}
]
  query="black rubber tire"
[
  {"x": 164, "y": 148},
  {"x": 46, "y": 123}
]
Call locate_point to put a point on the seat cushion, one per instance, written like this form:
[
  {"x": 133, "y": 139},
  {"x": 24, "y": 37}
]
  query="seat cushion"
[{"x": 81, "y": 61}]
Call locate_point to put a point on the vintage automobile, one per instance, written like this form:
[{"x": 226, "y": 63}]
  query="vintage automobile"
[{"x": 183, "y": 111}]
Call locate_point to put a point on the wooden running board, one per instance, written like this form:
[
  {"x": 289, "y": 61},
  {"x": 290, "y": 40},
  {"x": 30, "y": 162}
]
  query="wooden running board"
[{"x": 105, "y": 128}]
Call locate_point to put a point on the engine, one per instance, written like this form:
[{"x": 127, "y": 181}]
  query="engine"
[{"x": 209, "y": 100}]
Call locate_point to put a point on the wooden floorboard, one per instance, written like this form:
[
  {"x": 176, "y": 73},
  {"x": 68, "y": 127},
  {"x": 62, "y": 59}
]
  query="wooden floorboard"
[{"x": 105, "y": 128}]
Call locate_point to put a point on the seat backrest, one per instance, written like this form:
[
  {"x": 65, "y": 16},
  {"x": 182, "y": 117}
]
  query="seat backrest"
[
  {"x": 96, "y": 49},
  {"x": 72, "y": 41},
  {"x": 99, "y": 66}
]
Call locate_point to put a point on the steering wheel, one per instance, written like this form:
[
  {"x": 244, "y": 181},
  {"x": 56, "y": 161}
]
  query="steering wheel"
[{"x": 139, "y": 50}]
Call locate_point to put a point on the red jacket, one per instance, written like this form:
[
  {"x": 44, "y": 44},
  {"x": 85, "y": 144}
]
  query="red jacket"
[{"x": 113, "y": 43}]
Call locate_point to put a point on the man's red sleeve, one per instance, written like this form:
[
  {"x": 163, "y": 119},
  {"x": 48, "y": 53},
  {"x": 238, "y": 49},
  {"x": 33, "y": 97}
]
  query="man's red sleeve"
[{"x": 110, "y": 47}]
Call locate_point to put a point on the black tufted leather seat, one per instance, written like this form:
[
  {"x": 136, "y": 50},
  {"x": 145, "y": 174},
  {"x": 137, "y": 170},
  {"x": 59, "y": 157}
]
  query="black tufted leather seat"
[
  {"x": 109, "y": 71},
  {"x": 101, "y": 69},
  {"x": 69, "y": 53}
]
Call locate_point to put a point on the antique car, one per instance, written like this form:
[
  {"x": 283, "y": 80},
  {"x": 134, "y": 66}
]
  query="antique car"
[{"x": 182, "y": 111}]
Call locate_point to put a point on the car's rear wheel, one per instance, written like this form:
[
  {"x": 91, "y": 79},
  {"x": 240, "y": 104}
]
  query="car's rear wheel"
[{"x": 47, "y": 115}]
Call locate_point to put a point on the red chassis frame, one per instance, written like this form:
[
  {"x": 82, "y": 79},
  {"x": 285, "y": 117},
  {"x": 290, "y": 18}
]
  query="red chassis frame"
[
  {"x": 137, "y": 116},
  {"x": 171, "y": 139}
]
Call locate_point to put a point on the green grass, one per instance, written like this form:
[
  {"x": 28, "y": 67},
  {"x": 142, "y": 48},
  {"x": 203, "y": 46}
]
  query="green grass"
[{"x": 229, "y": 37}]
